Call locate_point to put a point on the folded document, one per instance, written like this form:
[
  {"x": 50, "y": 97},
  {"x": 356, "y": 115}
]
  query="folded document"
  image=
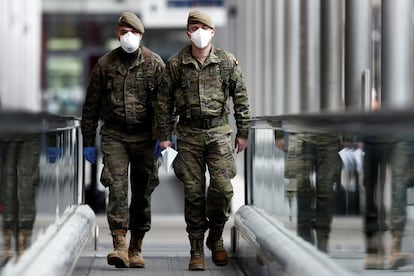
[{"x": 168, "y": 156}]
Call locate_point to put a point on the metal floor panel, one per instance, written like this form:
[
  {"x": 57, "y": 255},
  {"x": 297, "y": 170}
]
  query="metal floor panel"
[{"x": 165, "y": 249}]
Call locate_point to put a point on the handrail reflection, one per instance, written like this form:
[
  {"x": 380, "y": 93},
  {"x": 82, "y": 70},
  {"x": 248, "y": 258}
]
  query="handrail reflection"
[
  {"x": 41, "y": 176},
  {"x": 331, "y": 177}
]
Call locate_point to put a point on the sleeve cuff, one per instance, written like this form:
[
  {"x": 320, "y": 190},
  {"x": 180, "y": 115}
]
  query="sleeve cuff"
[{"x": 243, "y": 133}]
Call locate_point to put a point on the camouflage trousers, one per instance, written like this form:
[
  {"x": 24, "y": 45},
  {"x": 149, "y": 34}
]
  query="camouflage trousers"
[
  {"x": 205, "y": 206},
  {"x": 20, "y": 180},
  {"x": 317, "y": 168},
  {"x": 139, "y": 157},
  {"x": 378, "y": 157}
]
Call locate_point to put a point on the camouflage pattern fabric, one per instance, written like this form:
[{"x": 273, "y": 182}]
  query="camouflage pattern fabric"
[
  {"x": 193, "y": 92},
  {"x": 380, "y": 152},
  {"x": 315, "y": 163},
  {"x": 196, "y": 149},
  {"x": 122, "y": 96},
  {"x": 20, "y": 179},
  {"x": 121, "y": 93},
  {"x": 196, "y": 94},
  {"x": 144, "y": 178}
]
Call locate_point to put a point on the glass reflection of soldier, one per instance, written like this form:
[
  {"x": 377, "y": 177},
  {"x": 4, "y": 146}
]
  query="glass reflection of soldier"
[
  {"x": 20, "y": 179},
  {"x": 314, "y": 161},
  {"x": 382, "y": 152}
]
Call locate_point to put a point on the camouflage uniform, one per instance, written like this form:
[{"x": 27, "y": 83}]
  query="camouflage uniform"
[
  {"x": 121, "y": 93},
  {"x": 382, "y": 151},
  {"x": 318, "y": 154},
  {"x": 20, "y": 180},
  {"x": 199, "y": 95}
]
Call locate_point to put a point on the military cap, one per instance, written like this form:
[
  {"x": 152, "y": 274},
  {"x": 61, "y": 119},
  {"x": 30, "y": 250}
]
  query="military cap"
[
  {"x": 200, "y": 17},
  {"x": 129, "y": 19}
]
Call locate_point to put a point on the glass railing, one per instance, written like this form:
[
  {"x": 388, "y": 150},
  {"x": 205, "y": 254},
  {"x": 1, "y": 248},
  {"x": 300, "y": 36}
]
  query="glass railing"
[
  {"x": 343, "y": 183},
  {"x": 41, "y": 175}
]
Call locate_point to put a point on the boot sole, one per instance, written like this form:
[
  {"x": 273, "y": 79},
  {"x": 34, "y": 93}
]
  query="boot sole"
[
  {"x": 197, "y": 268},
  {"x": 117, "y": 262},
  {"x": 397, "y": 264},
  {"x": 220, "y": 264}
]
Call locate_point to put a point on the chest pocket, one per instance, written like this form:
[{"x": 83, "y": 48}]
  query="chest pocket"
[
  {"x": 126, "y": 93},
  {"x": 214, "y": 87}
]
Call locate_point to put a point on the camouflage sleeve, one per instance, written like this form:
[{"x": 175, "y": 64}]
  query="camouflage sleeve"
[
  {"x": 158, "y": 74},
  {"x": 164, "y": 116},
  {"x": 91, "y": 107},
  {"x": 241, "y": 101}
]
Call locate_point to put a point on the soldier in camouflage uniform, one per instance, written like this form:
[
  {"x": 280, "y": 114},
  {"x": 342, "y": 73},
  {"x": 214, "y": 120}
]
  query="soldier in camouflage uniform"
[
  {"x": 314, "y": 161},
  {"x": 197, "y": 85},
  {"x": 121, "y": 93}
]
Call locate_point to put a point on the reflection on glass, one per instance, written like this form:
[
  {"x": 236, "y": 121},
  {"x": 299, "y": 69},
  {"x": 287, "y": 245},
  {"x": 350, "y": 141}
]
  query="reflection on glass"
[
  {"x": 40, "y": 176},
  {"x": 313, "y": 161},
  {"x": 350, "y": 194},
  {"x": 384, "y": 155},
  {"x": 20, "y": 179}
]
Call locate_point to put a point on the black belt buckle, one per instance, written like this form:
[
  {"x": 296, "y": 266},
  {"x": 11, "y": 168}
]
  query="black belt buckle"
[{"x": 206, "y": 123}]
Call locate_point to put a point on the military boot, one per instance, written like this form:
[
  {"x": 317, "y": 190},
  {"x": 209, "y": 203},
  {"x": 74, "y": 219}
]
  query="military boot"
[
  {"x": 375, "y": 251},
  {"x": 119, "y": 256},
  {"x": 398, "y": 258},
  {"x": 215, "y": 244},
  {"x": 7, "y": 250},
  {"x": 197, "y": 255},
  {"x": 135, "y": 249},
  {"x": 23, "y": 241}
]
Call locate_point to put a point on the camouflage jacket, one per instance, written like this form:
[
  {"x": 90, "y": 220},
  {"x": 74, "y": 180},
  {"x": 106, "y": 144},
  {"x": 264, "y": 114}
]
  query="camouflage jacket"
[
  {"x": 192, "y": 92},
  {"x": 122, "y": 97}
]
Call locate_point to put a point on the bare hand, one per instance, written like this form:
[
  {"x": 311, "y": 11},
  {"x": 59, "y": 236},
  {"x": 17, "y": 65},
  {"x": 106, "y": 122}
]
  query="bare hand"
[
  {"x": 165, "y": 144},
  {"x": 240, "y": 144}
]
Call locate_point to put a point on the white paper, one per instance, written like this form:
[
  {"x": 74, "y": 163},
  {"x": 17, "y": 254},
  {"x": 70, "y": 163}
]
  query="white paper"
[
  {"x": 352, "y": 159},
  {"x": 168, "y": 156}
]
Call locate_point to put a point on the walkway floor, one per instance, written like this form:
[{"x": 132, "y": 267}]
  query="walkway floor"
[{"x": 165, "y": 249}]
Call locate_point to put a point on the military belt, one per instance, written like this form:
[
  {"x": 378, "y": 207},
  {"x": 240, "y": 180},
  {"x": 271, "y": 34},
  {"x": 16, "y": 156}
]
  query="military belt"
[
  {"x": 205, "y": 123},
  {"x": 130, "y": 128}
]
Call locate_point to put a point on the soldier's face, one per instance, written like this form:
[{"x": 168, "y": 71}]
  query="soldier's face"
[
  {"x": 191, "y": 28},
  {"x": 124, "y": 29}
]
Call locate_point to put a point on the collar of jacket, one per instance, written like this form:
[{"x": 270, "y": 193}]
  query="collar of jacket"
[{"x": 187, "y": 58}]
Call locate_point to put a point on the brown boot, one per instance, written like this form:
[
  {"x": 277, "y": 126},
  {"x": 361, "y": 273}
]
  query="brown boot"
[
  {"x": 215, "y": 244},
  {"x": 7, "y": 250},
  {"x": 375, "y": 251},
  {"x": 197, "y": 255},
  {"x": 135, "y": 249},
  {"x": 398, "y": 258},
  {"x": 119, "y": 256},
  {"x": 23, "y": 241}
]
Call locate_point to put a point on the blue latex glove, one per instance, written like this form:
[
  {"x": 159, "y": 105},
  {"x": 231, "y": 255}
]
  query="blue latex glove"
[
  {"x": 90, "y": 154},
  {"x": 158, "y": 149},
  {"x": 52, "y": 154},
  {"x": 174, "y": 142}
]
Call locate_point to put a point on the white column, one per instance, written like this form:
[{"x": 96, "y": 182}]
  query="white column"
[
  {"x": 396, "y": 54},
  {"x": 358, "y": 51},
  {"x": 20, "y": 23}
]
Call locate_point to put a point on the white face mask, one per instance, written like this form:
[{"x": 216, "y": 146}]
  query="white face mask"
[
  {"x": 201, "y": 38},
  {"x": 129, "y": 42}
]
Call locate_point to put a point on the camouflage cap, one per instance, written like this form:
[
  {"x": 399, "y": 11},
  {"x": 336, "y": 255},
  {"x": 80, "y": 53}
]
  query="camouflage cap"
[
  {"x": 129, "y": 19},
  {"x": 200, "y": 17}
]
